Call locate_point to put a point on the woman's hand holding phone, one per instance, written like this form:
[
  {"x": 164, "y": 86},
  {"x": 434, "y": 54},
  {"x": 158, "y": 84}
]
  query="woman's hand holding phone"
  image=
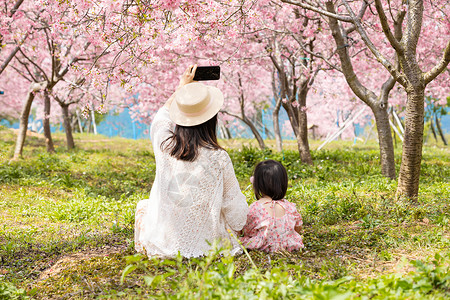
[{"x": 187, "y": 77}]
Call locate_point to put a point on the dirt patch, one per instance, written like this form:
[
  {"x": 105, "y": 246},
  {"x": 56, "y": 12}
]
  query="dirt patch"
[
  {"x": 96, "y": 141},
  {"x": 70, "y": 260},
  {"x": 29, "y": 133}
]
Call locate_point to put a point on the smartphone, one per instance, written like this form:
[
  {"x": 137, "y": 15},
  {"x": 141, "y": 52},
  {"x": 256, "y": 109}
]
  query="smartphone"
[{"x": 207, "y": 73}]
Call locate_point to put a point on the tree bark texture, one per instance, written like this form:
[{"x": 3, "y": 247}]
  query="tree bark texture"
[
  {"x": 386, "y": 145},
  {"x": 408, "y": 180},
  {"x": 23, "y": 124},
  {"x": 244, "y": 118},
  {"x": 290, "y": 92},
  {"x": 46, "y": 123},
  {"x": 276, "y": 125},
  {"x": 441, "y": 133},
  {"x": 67, "y": 127},
  {"x": 255, "y": 132},
  {"x": 433, "y": 131},
  {"x": 378, "y": 106},
  {"x": 249, "y": 123},
  {"x": 302, "y": 138}
]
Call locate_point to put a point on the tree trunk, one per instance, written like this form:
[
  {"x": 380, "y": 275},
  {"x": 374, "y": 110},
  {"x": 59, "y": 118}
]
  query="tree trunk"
[
  {"x": 378, "y": 106},
  {"x": 276, "y": 125},
  {"x": 408, "y": 180},
  {"x": 439, "y": 128},
  {"x": 258, "y": 137},
  {"x": 292, "y": 115},
  {"x": 67, "y": 127},
  {"x": 302, "y": 138},
  {"x": 385, "y": 142},
  {"x": 46, "y": 123},
  {"x": 79, "y": 121},
  {"x": 433, "y": 130},
  {"x": 23, "y": 125},
  {"x": 94, "y": 125}
]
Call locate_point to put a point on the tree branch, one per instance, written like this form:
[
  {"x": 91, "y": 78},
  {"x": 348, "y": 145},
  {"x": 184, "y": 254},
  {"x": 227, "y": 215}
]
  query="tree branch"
[
  {"x": 36, "y": 65},
  {"x": 346, "y": 64},
  {"x": 9, "y": 58},
  {"x": 413, "y": 27},
  {"x": 12, "y": 54},
  {"x": 231, "y": 114},
  {"x": 318, "y": 55},
  {"x": 23, "y": 75},
  {"x": 361, "y": 13},
  {"x": 380, "y": 57},
  {"x": 386, "y": 29},
  {"x": 440, "y": 66},
  {"x": 320, "y": 11},
  {"x": 64, "y": 71},
  {"x": 15, "y": 8},
  {"x": 386, "y": 88}
]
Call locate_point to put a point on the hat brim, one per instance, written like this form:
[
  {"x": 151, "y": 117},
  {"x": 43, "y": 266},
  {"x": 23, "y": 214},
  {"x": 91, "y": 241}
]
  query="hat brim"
[{"x": 179, "y": 118}]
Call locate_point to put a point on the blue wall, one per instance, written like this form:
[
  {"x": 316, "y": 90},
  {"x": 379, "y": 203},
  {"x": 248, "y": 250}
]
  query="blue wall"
[{"x": 122, "y": 125}]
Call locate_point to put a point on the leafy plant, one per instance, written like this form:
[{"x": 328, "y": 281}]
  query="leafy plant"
[
  {"x": 215, "y": 277},
  {"x": 9, "y": 292}
]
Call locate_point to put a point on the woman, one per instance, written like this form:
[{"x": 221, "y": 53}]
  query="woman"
[{"x": 195, "y": 198}]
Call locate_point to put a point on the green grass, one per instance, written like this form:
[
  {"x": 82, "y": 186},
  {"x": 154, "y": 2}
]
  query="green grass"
[{"x": 66, "y": 226}]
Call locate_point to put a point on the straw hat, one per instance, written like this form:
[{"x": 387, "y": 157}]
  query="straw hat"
[{"x": 195, "y": 103}]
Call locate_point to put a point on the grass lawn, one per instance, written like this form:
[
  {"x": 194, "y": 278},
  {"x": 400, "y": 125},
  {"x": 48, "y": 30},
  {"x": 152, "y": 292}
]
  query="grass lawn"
[{"x": 66, "y": 226}]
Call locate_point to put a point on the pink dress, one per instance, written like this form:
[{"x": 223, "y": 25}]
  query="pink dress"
[{"x": 268, "y": 233}]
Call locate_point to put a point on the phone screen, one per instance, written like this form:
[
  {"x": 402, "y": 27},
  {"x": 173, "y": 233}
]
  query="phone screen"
[{"x": 207, "y": 73}]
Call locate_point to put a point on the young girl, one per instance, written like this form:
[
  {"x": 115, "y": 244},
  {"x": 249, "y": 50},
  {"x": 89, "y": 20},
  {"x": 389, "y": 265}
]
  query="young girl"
[{"x": 273, "y": 223}]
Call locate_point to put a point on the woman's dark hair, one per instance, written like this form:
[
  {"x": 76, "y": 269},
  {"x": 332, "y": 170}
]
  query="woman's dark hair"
[
  {"x": 270, "y": 179},
  {"x": 184, "y": 143}
]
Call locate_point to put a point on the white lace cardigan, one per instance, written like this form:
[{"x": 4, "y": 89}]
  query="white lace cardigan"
[{"x": 191, "y": 204}]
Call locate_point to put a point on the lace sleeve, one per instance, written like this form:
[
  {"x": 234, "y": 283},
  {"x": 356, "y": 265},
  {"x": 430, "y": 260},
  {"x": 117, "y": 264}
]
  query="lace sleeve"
[
  {"x": 234, "y": 205},
  {"x": 161, "y": 127}
]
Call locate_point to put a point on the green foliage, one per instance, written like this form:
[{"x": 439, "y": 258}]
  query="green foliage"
[
  {"x": 215, "y": 277},
  {"x": 83, "y": 201},
  {"x": 9, "y": 292}
]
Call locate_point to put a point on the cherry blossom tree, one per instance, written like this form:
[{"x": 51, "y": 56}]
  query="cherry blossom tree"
[
  {"x": 11, "y": 40},
  {"x": 401, "y": 25},
  {"x": 206, "y": 35},
  {"x": 60, "y": 41},
  {"x": 242, "y": 98}
]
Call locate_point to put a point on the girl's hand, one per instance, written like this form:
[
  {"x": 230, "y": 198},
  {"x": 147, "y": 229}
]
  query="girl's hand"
[{"x": 188, "y": 75}]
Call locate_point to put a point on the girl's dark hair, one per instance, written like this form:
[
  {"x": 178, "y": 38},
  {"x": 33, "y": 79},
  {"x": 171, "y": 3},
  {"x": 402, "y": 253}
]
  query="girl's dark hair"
[
  {"x": 270, "y": 179},
  {"x": 184, "y": 143}
]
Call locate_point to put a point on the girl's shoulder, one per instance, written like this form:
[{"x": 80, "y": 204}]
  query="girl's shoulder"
[
  {"x": 256, "y": 206},
  {"x": 256, "y": 210},
  {"x": 289, "y": 205}
]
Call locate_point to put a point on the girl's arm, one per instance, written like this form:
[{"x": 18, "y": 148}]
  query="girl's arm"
[{"x": 298, "y": 220}]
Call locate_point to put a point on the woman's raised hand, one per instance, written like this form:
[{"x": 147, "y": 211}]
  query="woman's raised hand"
[{"x": 188, "y": 75}]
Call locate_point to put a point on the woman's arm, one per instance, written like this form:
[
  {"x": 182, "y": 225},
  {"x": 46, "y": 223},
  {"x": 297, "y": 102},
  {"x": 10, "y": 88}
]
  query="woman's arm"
[
  {"x": 234, "y": 204},
  {"x": 162, "y": 124},
  {"x": 187, "y": 77}
]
